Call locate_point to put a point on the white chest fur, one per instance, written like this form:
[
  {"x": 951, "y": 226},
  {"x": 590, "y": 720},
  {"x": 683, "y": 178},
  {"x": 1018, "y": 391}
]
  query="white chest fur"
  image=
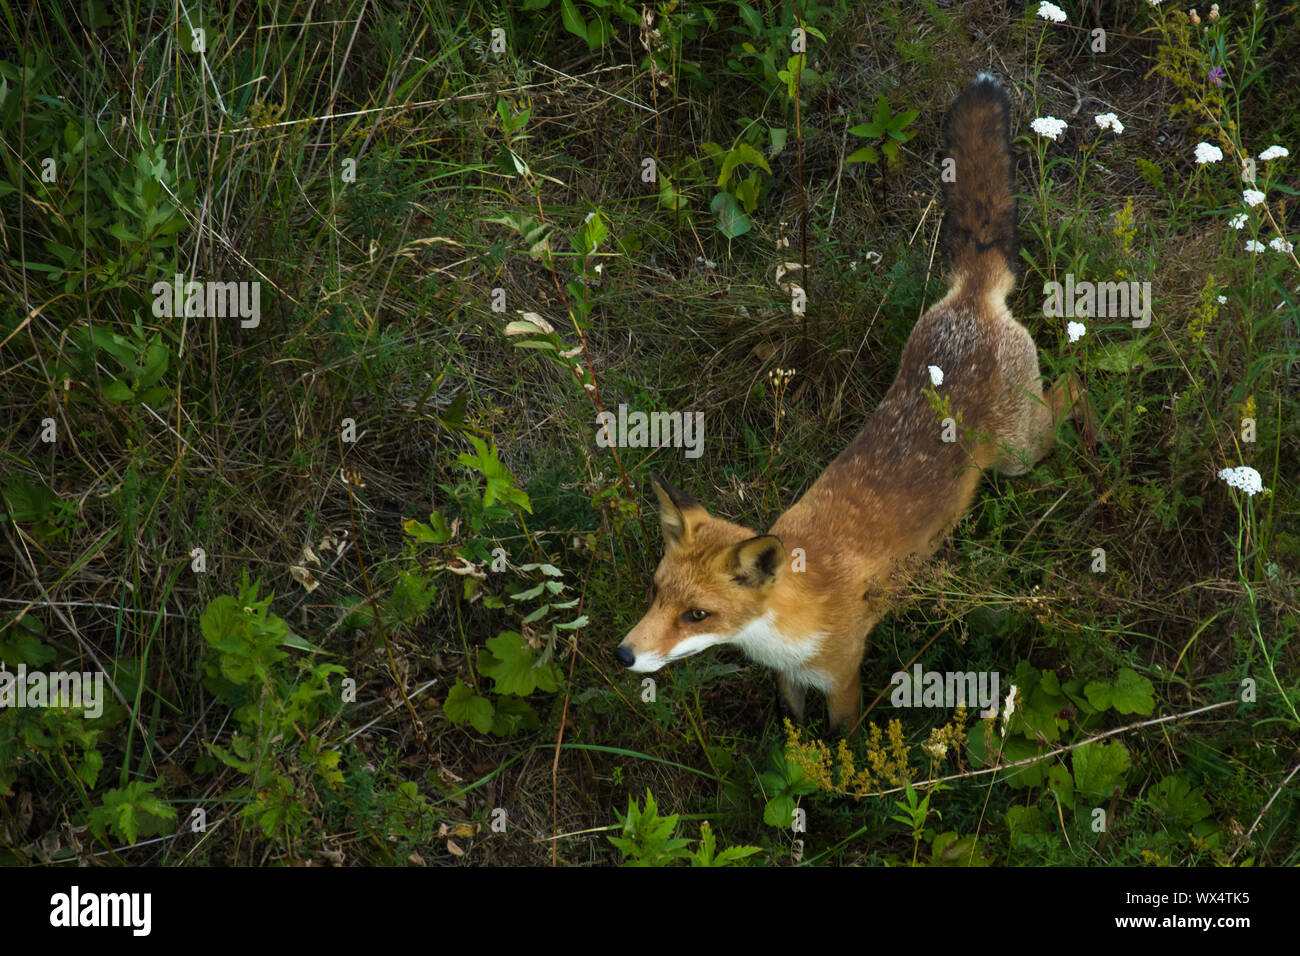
[{"x": 763, "y": 643}]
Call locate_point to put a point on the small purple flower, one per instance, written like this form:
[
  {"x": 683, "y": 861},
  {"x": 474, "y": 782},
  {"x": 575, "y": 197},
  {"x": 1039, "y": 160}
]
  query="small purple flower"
[{"x": 1217, "y": 75}]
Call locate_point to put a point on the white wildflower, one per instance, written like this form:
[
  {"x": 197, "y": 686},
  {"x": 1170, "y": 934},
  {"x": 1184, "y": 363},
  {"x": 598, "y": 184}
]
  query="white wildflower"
[
  {"x": 1253, "y": 246},
  {"x": 1110, "y": 120},
  {"x": 1205, "y": 153},
  {"x": 1223, "y": 300},
  {"x": 1238, "y": 221},
  {"x": 1278, "y": 244},
  {"x": 936, "y": 375},
  {"x": 1274, "y": 152},
  {"x": 1243, "y": 478},
  {"x": 1048, "y": 126},
  {"x": 1050, "y": 11},
  {"x": 1252, "y": 197},
  {"x": 1008, "y": 709},
  {"x": 1076, "y": 331}
]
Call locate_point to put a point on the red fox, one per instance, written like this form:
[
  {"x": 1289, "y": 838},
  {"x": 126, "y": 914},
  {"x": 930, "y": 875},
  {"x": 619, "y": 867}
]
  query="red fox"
[{"x": 802, "y": 598}]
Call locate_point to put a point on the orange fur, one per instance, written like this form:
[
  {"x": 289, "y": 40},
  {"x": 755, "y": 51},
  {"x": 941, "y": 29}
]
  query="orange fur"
[{"x": 898, "y": 488}]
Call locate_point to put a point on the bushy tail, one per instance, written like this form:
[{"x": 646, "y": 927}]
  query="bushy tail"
[{"x": 980, "y": 227}]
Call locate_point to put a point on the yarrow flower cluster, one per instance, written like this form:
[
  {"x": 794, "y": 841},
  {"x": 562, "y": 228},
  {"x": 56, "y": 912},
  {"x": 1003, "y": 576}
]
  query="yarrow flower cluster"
[
  {"x": 1274, "y": 152},
  {"x": 1238, "y": 221},
  {"x": 1050, "y": 11},
  {"x": 1243, "y": 478},
  {"x": 1109, "y": 120},
  {"x": 936, "y": 375},
  {"x": 1252, "y": 197},
  {"x": 1048, "y": 126},
  {"x": 1253, "y": 246},
  {"x": 1076, "y": 331},
  {"x": 1205, "y": 153},
  {"x": 1278, "y": 244}
]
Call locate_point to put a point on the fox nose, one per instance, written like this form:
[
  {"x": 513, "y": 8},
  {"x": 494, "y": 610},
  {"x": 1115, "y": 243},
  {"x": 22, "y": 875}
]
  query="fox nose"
[{"x": 625, "y": 656}]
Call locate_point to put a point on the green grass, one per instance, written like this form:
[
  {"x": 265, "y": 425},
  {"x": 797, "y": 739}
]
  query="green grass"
[{"x": 402, "y": 191}]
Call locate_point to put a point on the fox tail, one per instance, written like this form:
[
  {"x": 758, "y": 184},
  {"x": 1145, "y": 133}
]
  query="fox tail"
[{"x": 980, "y": 229}]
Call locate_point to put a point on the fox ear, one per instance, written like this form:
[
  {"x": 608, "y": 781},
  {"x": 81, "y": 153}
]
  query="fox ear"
[
  {"x": 756, "y": 563},
  {"x": 679, "y": 513}
]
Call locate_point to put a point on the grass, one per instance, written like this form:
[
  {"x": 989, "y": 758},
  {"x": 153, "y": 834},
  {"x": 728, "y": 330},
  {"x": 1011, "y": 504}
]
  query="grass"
[{"x": 403, "y": 184}]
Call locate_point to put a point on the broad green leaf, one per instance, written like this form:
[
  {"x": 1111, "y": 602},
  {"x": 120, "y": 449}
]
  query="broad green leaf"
[
  {"x": 572, "y": 20},
  {"x": 1179, "y": 803},
  {"x": 509, "y": 661},
  {"x": 1131, "y": 693},
  {"x": 728, "y": 217},
  {"x": 463, "y": 706},
  {"x": 742, "y": 152},
  {"x": 1099, "y": 768}
]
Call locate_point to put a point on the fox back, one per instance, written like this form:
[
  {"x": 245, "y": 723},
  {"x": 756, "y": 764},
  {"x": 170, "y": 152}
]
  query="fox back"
[{"x": 803, "y": 598}]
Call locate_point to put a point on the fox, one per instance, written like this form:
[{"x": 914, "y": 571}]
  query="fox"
[{"x": 803, "y": 598}]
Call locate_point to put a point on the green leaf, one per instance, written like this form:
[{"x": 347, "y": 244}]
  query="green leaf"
[
  {"x": 753, "y": 21},
  {"x": 435, "y": 532},
  {"x": 669, "y": 197},
  {"x": 897, "y": 123},
  {"x": 571, "y": 19},
  {"x": 1131, "y": 693},
  {"x": 509, "y": 661},
  {"x": 742, "y": 152},
  {"x": 1061, "y": 783},
  {"x": 728, "y": 218},
  {"x": 948, "y": 849},
  {"x": 88, "y": 770},
  {"x": 1099, "y": 768},
  {"x": 131, "y": 812},
  {"x": 1119, "y": 357},
  {"x": 1178, "y": 802},
  {"x": 779, "y": 811},
  {"x": 463, "y": 706},
  {"x": 116, "y": 391},
  {"x": 747, "y": 193},
  {"x": 865, "y": 154},
  {"x": 20, "y": 643},
  {"x": 527, "y": 595},
  {"x": 1026, "y": 820},
  {"x": 647, "y": 838},
  {"x": 500, "y": 483},
  {"x": 1031, "y": 775},
  {"x": 514, "y": 714}
]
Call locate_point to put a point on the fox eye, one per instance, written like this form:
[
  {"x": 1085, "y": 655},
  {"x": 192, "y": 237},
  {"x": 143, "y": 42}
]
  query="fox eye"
[{"x": 695, "y": 615}]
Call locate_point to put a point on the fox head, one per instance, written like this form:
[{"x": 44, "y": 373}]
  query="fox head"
[{"x": 715, "y": 579}]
